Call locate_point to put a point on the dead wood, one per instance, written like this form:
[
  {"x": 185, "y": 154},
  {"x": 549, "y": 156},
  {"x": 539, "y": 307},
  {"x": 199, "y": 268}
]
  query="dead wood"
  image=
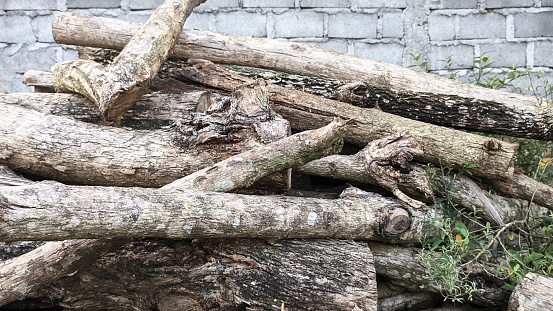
[
  {"x": 415, "y": 94},
  {"x": 385, "y": 162},
  {"x": 523, "y": 187},
  {"x": 227, "y": 274},
  {"x": 152, "y": 111},
  {"x": 27, "y": 273},
  {"x": 53, "y": 211},
  {"x": 54, "y": 147},
  {"x": 305, "y": 111},
  {"x": 409, "y": 301},
  {"x": 402, "y": 267},
  {"x": 532, "y": 293},
  {"x": 117, "y": 86}
]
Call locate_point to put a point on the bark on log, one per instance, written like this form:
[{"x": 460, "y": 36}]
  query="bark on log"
[
  {"x": 384, "y": 162},
  {"x": 55, "y": 147},
  {"x": 402, "y": 266},
  {"x": 23, "y": 275},
  {"x": 523, "y": 187},
  {"x": 117, "y": 86},
  {"x": 405, "y": 89},
  {"x": 305, "y": 111},
  {"x": 152, "y": 111},
  {"x": 532, "y": 293},
  {"x": 169, "y": 275},
  {"x": 53, "y": 211},
  {"x": 409, "y": 301}
]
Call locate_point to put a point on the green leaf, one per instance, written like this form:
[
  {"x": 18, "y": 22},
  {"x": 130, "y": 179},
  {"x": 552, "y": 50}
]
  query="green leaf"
[{"x": 461, "y": 228}]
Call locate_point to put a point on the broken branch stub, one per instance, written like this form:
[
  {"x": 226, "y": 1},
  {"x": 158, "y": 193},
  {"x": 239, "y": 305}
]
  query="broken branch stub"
[{"x": 117, "y": 86}]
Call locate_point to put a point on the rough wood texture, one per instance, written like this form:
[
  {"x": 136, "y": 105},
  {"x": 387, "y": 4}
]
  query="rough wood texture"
[
  {"x": 385, "y": 162},
  {"x": 117, "y": 86},
  {"x": 531, "y": 121},
  {"x": 406, "y": 90},
  {"x": 403, "y": 267},
  {"x": 54, "y": 147},
  {"x": 152, "y": 111},
  {"x": 532, "y": 293},
  {"x": 523, "y": 187},
  {"x": 409, "y": 301},
  {"x": 305, "y": 111},
  {"x": 53, "y": 211},
  {"x": 242, "y": 170},
  {"x": 170, "y": 275},
  {"x": 23, "y": 275}
]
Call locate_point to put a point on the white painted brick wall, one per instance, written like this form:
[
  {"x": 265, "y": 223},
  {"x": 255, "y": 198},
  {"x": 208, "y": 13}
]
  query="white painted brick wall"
[{"x": 514, "y": 32}]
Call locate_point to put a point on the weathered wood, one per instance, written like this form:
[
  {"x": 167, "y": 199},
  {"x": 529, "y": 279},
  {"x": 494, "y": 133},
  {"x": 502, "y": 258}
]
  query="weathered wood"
[
  {"x": 409, "y": 92},
  {"x": 54, "y": 147},
  {"x": 526, "y": 188},
  {"x": 532, "y": 293},
  {"x": 305, "y": 111},
  {"x": 384, "y": 162},
  {"x": 116, "y": 87},
  {"x": 170, "y": 275},
  {"x": 402, "y": 267},
  {"x": 409, "y": 301},
  {"x": 53, "y": 211},
  {"x": 152, "y": 111},
  {"x": 23, "y": 275}
]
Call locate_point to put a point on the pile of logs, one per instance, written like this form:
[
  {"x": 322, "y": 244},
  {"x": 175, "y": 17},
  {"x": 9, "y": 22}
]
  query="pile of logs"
[{"x": 152, "y": 184}]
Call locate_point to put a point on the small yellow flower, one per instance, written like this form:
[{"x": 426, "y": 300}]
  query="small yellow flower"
[
  {"x": 544, "y": 163},
  {"x": 458, "y": 239}
]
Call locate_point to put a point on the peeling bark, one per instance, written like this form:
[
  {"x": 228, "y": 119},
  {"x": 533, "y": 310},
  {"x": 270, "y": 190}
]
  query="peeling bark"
[{"x": 117, "y": 86}]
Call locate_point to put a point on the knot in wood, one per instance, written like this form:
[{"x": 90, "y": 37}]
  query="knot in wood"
[
  {"x": 397, "y": 221},
  {"x": 492, "y": 145}
]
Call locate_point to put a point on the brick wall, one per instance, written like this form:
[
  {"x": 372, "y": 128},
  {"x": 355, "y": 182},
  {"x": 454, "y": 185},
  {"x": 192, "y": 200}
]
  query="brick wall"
[{"x": 512, "y": 32}]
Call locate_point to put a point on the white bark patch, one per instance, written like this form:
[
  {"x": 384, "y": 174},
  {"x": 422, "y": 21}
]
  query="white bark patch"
[
  {"x": 311, "y": 218},
  {"x": 223, "y": 186},
  {"x": 236, "y": 222},
  {"x": 187, "y": 228}
]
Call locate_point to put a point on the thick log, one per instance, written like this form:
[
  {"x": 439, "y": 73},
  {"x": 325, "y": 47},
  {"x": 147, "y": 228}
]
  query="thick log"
[
  {"x": 305, "y": 111},
  {"x": 532, "y": 293},
  {"x": 402, "y": 266},
  {"x": 54, "y": 147},
  {"x": 116, "y": 87},
  {"x": 152, "y": 111},
  {"x": 523, "y": 187},
  {"x": 431, "y": 98},
  {"x": 169, "y": 275},
  {"x": 53, "y": 211},
  {"x": 409, "y": 301}
]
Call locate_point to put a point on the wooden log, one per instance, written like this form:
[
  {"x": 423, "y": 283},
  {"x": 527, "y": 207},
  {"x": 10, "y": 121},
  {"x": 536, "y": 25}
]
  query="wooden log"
[
  {"x": 53, "y": 211},
  {"x": 409, "y": 301},
  {"x": 227, "y": 274},
  {"x": 418, "y": 93},
  {"x": 54, "y": 147},
  {"x": 402, "y": 267},
  {"x": 23, "y": 275},
  {"x": 384, "y": 162},
  {"x": 523, "y": 187},
  {"x": 152, "y": 111},
  {"x": 305, "y": 111},
  {"x": 116, "y": 87},
  {"x": 532, "y": 293}
]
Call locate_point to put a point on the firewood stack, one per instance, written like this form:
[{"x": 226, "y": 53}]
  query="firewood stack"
[{"x": 166, "y": 176}]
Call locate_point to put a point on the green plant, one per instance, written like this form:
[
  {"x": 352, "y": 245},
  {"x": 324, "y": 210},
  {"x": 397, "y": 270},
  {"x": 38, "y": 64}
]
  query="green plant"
[{"x": 419, "y": 63}]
